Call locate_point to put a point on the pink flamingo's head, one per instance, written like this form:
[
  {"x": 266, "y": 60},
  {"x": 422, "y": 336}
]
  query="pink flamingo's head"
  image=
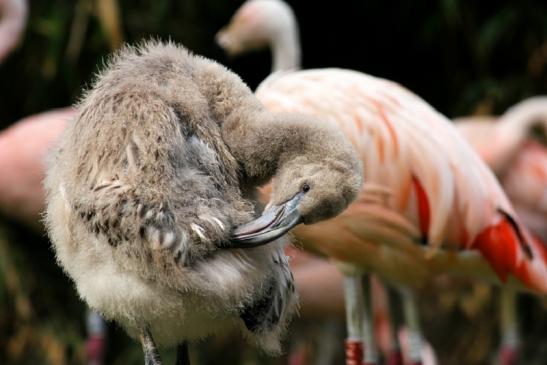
[
  {"x": 13, "y": 18},
  {"x": 256, "y": 24},
  {"x": 520, "y": 119}
]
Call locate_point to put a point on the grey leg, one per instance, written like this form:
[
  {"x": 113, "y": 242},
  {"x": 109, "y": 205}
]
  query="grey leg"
[
  {"x": 353, "y": 293},
  {"x": 413, "y": 327},
  {"x": 96, "y": 338},
  {"x": 151, "y": 354},
  {"x": 509, "y": 326},
  {"x": 370, "y": 354},
  {"x": 395, "y": 356},
  {"x": 182, "y": 354}
]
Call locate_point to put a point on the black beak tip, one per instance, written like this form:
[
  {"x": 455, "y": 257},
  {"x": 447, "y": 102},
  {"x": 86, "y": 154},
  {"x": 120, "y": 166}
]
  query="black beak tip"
[{"x": 272, "y": 224}]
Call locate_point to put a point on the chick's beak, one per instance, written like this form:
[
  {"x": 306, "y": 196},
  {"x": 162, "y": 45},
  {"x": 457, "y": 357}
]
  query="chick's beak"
[{"x": 274, "y": 222}]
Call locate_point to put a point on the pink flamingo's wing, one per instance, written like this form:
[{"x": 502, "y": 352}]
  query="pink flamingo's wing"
[{"x": 418, "y": 167}]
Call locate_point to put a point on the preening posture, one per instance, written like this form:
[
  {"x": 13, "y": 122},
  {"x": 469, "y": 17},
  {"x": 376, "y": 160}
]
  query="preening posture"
[
  {"x": 425, "y": 189},
  {"x": 149, "y": 198}
]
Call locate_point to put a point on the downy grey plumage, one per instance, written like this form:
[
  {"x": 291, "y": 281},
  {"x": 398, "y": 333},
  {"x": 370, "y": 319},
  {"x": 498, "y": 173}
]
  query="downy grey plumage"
[{"x": 148, "y": 183}]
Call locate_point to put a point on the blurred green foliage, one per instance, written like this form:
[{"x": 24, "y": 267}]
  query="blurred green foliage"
[
  {"x": 38, "y": 307},
  {"x": 463, "y": 56},
  {"x": 66, "y": 43}
]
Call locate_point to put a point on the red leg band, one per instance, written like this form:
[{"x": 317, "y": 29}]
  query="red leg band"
[{"x": 354, "y": 352}]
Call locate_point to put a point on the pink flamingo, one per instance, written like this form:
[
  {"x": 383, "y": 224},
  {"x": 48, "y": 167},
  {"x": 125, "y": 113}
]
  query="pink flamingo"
[
  {"x": 525, "y": 183},
  {"x": 498, "y": 140},
  {"x": 429, "y": 204},
  {"x": 520, "y": 163},
  {"x": 264, "y": 24},
  {"x": 12, "y": 25},
  {"x": 22, "y": 150},
  {"x": 23, "y": 147}
]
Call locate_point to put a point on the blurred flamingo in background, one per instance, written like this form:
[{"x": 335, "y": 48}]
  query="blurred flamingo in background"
[
  {"x": 24, "y": 145},
  {"x": 525, "y": 182},
  {"x": 498, "y": 140},
  {"x": 261, "y": 24},
  {"x": 507, "y": 145},
  {"x": 520, "y": 162},
  {"x": 425, "y": 188},
  {"x": 23, "y": 148},
  {"x": 13, "y": 19}
]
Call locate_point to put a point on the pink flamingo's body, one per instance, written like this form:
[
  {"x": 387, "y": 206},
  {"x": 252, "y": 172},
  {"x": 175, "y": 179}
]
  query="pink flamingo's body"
[
  {"x": 429, "y": 204},
  {"x": 424, "y": 183},
  {"x": 22, "y": 151},
  {"x": 23, "y": 147}
]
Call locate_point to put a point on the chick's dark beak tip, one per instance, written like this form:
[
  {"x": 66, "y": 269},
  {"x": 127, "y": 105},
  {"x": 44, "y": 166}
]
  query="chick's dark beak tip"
[{"x": 272, "y": 224}]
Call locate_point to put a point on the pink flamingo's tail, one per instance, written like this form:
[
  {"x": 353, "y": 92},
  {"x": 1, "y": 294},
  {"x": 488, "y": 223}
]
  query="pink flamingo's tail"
[{"x": 511, "y": 249}]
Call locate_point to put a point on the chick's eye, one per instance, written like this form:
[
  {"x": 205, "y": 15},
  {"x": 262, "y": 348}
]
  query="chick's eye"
[{"x": 305, "y": 188}]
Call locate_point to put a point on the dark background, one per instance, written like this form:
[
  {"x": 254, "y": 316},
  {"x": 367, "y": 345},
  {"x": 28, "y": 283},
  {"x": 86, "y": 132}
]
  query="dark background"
[{"x": 462, "y": 56}]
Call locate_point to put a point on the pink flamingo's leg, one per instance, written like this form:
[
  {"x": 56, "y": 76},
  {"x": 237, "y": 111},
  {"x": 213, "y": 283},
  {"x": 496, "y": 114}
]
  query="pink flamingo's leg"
[
  {"x": 370, "y": 353},
  {"x": 395, "y": 356},
  {"x": 508, "y": 352},
  {"x": 96, "y": 338},
  {"x": 353, "y": 293},
  {"x": 413, "y": 325}
]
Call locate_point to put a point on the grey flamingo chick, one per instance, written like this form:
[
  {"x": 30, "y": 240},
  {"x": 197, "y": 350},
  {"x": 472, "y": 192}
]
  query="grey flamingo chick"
[{"x": 149, "y": 199}]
